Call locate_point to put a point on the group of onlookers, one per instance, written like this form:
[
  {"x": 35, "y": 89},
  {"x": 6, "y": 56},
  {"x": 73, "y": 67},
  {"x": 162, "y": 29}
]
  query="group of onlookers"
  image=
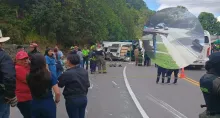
[{"x": 32, "y": 83}]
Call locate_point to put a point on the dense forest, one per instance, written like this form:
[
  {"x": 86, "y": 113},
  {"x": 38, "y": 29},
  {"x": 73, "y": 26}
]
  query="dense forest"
[{"x": 69, "y": 22}]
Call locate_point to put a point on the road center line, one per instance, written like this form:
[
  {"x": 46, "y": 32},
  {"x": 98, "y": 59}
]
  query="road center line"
[
  {"x": 114, "y": 83},
  {"x": 170, "y": 108},
  {"x": 156, "y": 102},
  {"x": 138, "y": 105}
]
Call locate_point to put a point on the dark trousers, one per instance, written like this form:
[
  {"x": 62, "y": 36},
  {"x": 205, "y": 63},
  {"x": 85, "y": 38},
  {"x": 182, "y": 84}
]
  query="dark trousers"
[
  {"x": 161, "y": 71},
  {"x": 169, "y": 73},
  {"x": 76, "y": 107},
  {"x": 45, "y": 108},
  {"x": 146, "y": 62},
  {"x": 25, "y": 108},
  {"x": 92, "y": 66},
  {"x": 85, "y": 61},
  {"x": 4, "y": 108}
]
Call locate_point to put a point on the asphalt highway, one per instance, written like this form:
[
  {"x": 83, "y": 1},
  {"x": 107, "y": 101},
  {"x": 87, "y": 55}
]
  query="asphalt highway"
[{"x": 131, "y": 92}]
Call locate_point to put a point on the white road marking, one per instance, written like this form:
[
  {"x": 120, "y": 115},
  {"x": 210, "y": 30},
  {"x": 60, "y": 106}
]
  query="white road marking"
[
  {"x": 86, "y": 113},
  {"x": 138, "y": 105},
  {"x": 91, "y": 86},
  {"x": 114, "y": 83},
  {"x": 166, "y": 106}
]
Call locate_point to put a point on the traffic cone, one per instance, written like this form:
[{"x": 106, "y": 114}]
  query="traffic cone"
[{"x": 182, "y": 74}]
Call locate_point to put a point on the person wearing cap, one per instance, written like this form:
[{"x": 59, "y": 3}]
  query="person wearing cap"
[
  {"x": 7, "y": 81},
  {"x": 210, "y": 87},
  {"x": 23, "y": 92},
  {"x": 33, "y": 49}
]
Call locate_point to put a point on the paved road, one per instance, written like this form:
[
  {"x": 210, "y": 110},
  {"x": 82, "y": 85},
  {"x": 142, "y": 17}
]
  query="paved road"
[
  {"x": 180, "y": 36},
  {"x": 109, "y": 96}
]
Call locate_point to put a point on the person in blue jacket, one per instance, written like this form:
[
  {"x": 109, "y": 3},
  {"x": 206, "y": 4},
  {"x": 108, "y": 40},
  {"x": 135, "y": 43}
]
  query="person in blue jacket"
[
  {"x": 210, "y": 87},
  {"x": 41, "y": 83},
  {"x": 51, "y": 61}
]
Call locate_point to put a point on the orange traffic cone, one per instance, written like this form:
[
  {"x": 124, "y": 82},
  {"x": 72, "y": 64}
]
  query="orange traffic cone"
[{"x": 182, "y": 74}]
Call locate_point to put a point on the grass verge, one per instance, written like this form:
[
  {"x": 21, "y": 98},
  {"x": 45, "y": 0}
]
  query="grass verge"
[
  {"x": 163, "y": 60},
  {"x": 161, "y": 47}
]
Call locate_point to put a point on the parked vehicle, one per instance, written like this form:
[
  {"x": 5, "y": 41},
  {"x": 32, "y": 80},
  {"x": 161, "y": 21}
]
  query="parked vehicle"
[
  {"x": 196, "y": 44},
  {"x": 206, "y": 51}
]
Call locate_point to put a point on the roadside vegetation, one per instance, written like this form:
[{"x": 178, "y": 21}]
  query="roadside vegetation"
[
  {"x": 72, "y": 22},
  {"x": 162, "y": 58}
]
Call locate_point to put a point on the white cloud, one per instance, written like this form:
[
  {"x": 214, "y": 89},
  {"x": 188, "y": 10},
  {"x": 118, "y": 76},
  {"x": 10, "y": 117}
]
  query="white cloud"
[
  {"x": 218, "y": 18},
  {"x": 194, "y": 6}
]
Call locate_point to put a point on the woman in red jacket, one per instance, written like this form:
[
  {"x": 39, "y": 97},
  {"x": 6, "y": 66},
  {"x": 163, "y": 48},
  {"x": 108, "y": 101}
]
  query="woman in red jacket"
[{"x": 22, "y": 90}]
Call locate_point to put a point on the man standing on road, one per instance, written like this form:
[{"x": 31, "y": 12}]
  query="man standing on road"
[
  {"x": 85, "y": 52},
  {"x": 101, "y": 60},
  {"x": 7, "y": 81},
  {"x": 136, "y": 55},
  {"x": 169, "y": 73},
  {"x": 210, "y": 87},
  {"x": 160, "y": 70}
]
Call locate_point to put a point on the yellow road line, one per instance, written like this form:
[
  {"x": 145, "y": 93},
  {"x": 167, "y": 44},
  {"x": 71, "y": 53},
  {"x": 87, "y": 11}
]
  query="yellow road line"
[{"x": 191, "y": 81}]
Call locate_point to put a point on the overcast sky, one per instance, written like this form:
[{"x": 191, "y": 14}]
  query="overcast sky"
[{"x": 194, "y": 6}]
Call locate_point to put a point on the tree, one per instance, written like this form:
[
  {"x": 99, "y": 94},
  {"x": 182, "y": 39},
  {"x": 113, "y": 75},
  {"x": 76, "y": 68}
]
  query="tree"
[
  {"x": 69, "y": 22},
  {"x": 209, "y": 22},
  {"x": 182, "y": 7}
]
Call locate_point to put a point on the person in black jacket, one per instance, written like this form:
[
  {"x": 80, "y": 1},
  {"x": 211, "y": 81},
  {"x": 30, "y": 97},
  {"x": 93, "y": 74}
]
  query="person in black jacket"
[
  {"x": 7, "y": 81},
  {"x": 210, "y": 87},
  {"x": 76, "y": 82}
]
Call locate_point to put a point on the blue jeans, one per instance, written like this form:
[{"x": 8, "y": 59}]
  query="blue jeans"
[
  {"x": 76, "y": 107},
  {"x": 4, "y": 108},
  {"x": 44, "y": 108},
  {"x": 25, "y": 108},
  {"x": 81, "y": 64}
]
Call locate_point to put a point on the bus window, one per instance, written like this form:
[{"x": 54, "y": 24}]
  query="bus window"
[{"x": 206, "y": 39}]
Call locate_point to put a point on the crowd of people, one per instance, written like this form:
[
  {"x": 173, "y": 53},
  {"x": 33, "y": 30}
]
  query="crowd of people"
[{"x": 32, "y": 80}]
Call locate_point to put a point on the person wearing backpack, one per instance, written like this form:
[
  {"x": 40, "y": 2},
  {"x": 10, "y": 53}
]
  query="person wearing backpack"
[{"x": 210, "y": 87}]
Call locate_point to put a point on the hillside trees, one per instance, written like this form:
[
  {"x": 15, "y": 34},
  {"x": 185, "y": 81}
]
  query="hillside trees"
[{"x": 72, "y": 21}]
